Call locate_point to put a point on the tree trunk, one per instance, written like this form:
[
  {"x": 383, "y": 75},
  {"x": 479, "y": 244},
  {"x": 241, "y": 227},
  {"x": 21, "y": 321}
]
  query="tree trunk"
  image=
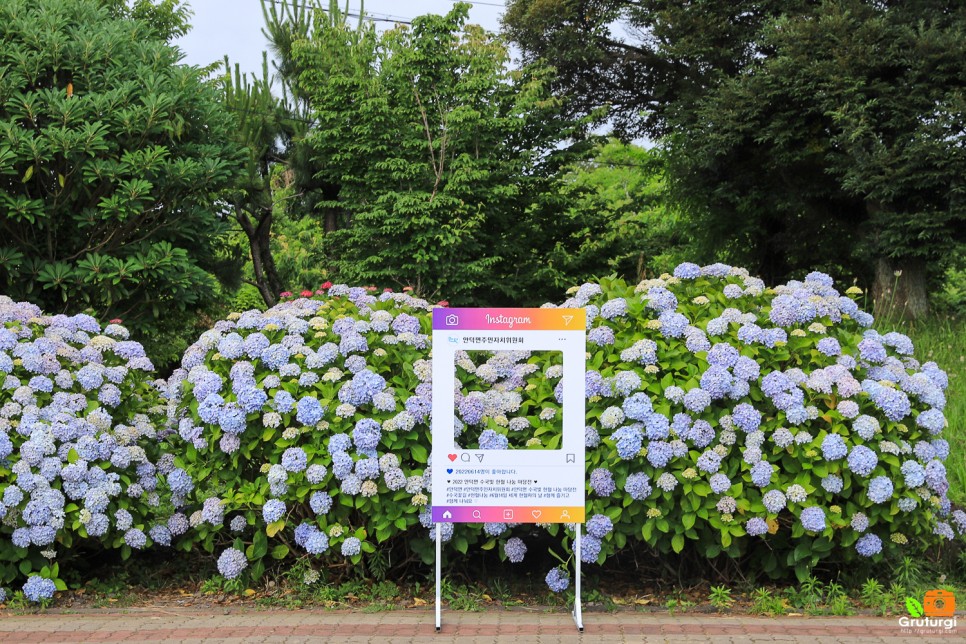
[
  {"x": 899, "y": 290},
  {"x": 263, "y": 264}
]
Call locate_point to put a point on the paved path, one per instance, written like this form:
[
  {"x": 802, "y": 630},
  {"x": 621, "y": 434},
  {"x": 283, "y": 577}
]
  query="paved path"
[{"x": 280, "y": 626}]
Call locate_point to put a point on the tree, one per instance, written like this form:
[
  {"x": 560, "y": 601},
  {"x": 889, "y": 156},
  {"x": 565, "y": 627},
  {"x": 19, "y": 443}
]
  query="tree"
[
  {"x": 264, "y": 123},
  {"x": 113, "y": 162},
  {"x": 613, "y": 218},
  {"x": 438, "y": 150},
  {"x": 804, "y": 134}
]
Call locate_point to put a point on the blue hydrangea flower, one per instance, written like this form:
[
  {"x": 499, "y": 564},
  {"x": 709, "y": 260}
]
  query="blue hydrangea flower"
[
  {"x": 628, "y": 441},
  {"x": 638, "y": 486},
  {"x": 829, "y": 346},
  {"x": 833, "y": 447},
  {"x": 862, "y": 460},
  {"x": 709, "y": 462},
  {"x": 309, "y": 411},
  {"x": 557, "y": 580},
  {"x": 813, "y": 519},
  {"x": 832, "y": 483},
  {"x": 599, "y": 526},
  {"x": 231, "y": 563},
  {"x": 589, "y": 549},
  {"x": 756, "y": 526},
  {"x": 913, "y": 474},
  {"x": 720, "y": 483},
  {"x": 687, "y": 270},
  {"x": 932, "y": 420},
  {"x": 660, "y": 299},
  {"x": 774, "y": 501},
  {"x": 614, "y": 308},
  {"x": 637, "y": 406},
  {"x": 273, "y": 510},
  {"x": 351, "y": 547},
  {"x": 880, "y": 489},
  {"x": 673, "y": 324},
  {"x": 761, "y": 473},
  {"x": 37, "y": 588},
  {"x": 294, "y": 459},
  {"x": 658, "y": 453},
  {"x": 746, "y": 417},
  {"x": 515, "y": 549},
  {"x": 696, "y": 400},
  {"x": 868, "y": 545},
  {"x": 135, "y": 538},
  {"x": 601, "y": 336}
]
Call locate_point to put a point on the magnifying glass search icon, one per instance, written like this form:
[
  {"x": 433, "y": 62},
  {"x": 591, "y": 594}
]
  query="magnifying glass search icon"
[{"x": 476, "y": 514}]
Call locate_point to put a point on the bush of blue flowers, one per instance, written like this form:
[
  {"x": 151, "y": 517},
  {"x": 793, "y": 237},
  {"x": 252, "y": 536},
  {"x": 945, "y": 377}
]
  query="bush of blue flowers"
[
  {"x": 744, "y": 419},
  {"x": 722, "y": 416},
  {"x": 304, "y": 429},
  {"x": 80, "y": 455}
]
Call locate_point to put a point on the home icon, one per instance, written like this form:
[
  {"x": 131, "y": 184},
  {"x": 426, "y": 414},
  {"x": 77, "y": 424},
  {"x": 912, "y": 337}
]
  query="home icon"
[{"x": 447, "y": 515}]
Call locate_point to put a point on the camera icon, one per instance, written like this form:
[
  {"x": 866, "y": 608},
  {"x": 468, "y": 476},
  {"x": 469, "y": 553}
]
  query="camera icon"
[
  {"x": 452, "y": 320},
  {"x": 939, "y": 603}
]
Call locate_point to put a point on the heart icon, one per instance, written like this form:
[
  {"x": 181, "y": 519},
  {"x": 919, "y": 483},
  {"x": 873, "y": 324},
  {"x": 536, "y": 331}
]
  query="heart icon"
[
  {"x": 449, "y": 470},
  {"x": 451, "y": 457},
  {"x": 536, "y": 514}
]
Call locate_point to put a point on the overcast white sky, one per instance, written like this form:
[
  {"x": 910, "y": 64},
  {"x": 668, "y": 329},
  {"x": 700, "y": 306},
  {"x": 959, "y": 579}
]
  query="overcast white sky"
[{"x": 233, "y": 27}]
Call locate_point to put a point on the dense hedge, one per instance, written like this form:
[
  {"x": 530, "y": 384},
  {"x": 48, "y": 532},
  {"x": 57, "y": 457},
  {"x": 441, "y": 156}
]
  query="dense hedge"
[
  {"x": 720, "y": 413},
  {"x": 722, "y": 416}
]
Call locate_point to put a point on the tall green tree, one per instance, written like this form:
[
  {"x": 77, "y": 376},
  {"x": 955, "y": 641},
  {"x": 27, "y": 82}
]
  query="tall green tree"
[
  {"x": 438, "y": 149},
  {"x": 613, "y": 217},
  {"x": 264, "y": 126},
  {"x": 801, "y": 134},
  {"x": 114, "y": 161}
]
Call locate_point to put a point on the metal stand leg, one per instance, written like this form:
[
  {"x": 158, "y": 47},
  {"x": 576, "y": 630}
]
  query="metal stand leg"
[
  {"x": 578, "y": 617},
  {"x": 439, "y": 566}
]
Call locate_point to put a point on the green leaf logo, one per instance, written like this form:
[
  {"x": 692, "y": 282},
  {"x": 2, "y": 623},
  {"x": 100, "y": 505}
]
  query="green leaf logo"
[{"x": 914, "y": 607}]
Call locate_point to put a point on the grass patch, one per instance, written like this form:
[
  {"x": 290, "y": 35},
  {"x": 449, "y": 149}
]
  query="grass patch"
[{"x": 943, "y": 340}]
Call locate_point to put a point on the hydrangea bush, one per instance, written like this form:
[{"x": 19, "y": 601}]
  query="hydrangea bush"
[
  {"x": 80, "y": 459},
  {"x": 772, "y": 420},
  {"x": 305, "y": 428},
  {"x": 720, "y": 414}
]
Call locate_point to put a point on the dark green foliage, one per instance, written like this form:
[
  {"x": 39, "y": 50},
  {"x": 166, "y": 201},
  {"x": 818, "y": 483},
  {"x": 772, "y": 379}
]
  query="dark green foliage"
[
  {"x": 802, "y": 135},
  {"x": 113, "y": 158},
  {"x": 610, "y": 216}
]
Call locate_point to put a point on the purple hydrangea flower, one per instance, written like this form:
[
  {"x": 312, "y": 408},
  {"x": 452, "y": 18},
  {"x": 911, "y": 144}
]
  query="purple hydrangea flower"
[
  {"x": 602, "y": 482},
  {"x": 515, "y": 549}
]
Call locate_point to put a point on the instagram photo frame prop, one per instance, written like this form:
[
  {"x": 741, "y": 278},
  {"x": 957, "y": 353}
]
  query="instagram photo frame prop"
[{"x": 509, "y": 485}]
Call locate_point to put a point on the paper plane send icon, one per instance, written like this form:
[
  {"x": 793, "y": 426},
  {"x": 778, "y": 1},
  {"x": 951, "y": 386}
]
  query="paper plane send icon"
[{"x": 567, "y": 319}]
